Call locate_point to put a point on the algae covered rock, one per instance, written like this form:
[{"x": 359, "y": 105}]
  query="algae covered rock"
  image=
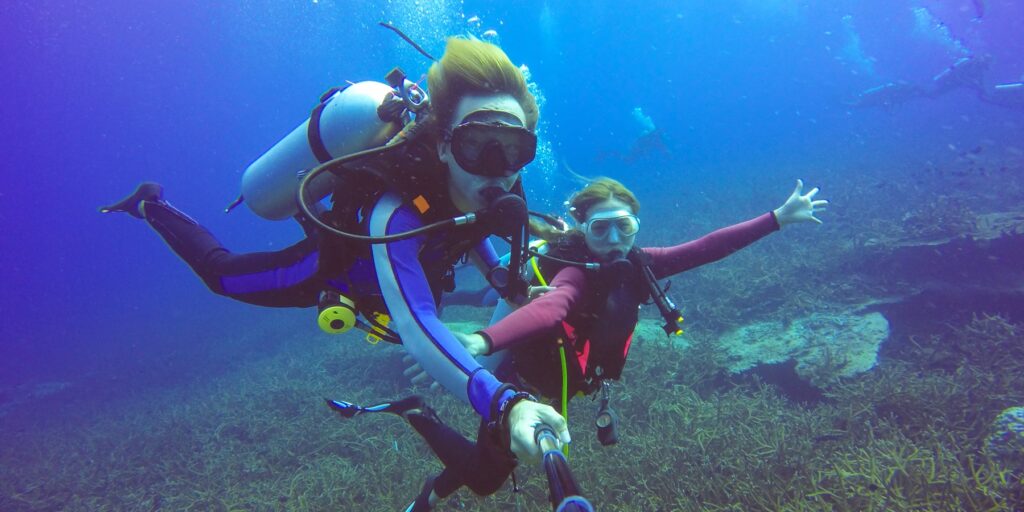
[
  {"x": 825, "y": 347},
  {"x": 1006, "y": 443}
]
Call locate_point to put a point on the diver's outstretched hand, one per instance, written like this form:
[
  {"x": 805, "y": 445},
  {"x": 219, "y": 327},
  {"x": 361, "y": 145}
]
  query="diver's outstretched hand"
[
  {"x": 522, "y": 422},
  {"x": 800, "y": 207}
]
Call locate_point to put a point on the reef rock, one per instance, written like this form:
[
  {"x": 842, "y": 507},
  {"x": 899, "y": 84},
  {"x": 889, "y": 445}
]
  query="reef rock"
[
  {"x": 825, "y": 347},
  {"x": 1006, "y": 443}
]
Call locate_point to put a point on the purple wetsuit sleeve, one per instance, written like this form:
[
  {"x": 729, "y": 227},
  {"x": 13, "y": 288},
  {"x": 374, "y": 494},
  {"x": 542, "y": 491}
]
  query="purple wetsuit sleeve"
[
  {"x": 667, "y": 261},
  {"x": 485, "y": 251},
  {"x": 542, "y": 314},
  {"x": 407, "y": 295}
]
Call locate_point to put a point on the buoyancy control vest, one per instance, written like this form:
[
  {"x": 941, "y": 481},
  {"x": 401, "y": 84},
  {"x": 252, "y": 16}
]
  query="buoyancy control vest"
[
  {"x": 413, "y": 171},
  {"x": 596, "y": 334}
]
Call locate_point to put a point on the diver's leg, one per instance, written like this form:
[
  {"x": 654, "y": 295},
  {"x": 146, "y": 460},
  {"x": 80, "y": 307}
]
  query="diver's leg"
[
  {"x": 279, "y": 279},
  {"x": 482, "y": 466}
]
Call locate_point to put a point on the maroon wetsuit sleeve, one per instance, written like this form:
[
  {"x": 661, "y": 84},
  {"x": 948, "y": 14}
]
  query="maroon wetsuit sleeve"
[
  {"x": 542, "y": 314},
  {"x": 667, "y": 261}
]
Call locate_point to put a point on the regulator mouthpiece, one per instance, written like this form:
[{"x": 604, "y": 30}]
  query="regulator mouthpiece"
[{"x": 506, "y": 212}]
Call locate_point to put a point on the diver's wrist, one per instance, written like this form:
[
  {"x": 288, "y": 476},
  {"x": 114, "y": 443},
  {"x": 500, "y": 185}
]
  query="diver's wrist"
[{"x": 482, "y": 344}]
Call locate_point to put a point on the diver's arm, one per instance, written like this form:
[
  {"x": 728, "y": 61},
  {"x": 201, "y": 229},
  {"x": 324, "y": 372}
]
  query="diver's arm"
[
  {"x": 666, "y": 261},
  {"x": 798, "y": 207},
  {"x": 541, "y": 315},
  {"x": 409, "y": 301},
  {"x": 484, "y": 257}
]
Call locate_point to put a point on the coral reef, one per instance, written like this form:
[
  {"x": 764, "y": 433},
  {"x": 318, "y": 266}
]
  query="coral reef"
[{"x": 825, "y": 347}]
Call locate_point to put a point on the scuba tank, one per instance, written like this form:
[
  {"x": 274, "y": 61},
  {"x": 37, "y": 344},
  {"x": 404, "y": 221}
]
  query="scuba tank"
[{"x": 346, "y": 121}]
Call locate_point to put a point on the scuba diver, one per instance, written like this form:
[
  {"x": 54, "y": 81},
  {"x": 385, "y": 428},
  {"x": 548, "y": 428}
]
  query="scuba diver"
[
  {"x": 966, "y": 72},
  {"x": 888, "y": 95},
  {"x": 648, "y": 145},
  {"x": 402, "y": 215},
  {"x": 575, "y": 338}
]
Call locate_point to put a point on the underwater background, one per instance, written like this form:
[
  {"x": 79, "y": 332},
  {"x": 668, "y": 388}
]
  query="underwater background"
[{"x": 126, "y": 385}]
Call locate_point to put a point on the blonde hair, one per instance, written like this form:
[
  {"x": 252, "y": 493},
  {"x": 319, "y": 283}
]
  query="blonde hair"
[{"x": 473, "y": 67}]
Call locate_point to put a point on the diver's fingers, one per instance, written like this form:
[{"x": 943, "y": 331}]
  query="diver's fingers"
[
  {"x": 536, "y": 291},
  {"x": 557, "y": 423},
  {"x": 810, "y": 195},
  {"x": 421, "y": 378},
  {"x": 819, "y": 203},
  {"x": 413, "y": 369},
  {"x": 815, "y": 219},
  {"x": 799, "y": 187}
]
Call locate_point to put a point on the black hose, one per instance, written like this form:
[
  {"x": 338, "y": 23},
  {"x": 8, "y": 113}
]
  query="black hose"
[{"x": 410, "y": 41}]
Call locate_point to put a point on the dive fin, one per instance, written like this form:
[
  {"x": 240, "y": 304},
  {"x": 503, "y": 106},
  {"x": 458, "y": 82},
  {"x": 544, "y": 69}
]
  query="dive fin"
[{"x": 400, "y": 407}]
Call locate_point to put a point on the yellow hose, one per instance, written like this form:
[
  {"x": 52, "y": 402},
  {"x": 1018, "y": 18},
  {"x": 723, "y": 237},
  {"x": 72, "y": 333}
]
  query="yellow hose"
[{"x": 565, "y": 388}]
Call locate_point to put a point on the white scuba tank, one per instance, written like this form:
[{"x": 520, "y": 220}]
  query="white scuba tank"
[{"x": 348, "y": 122}]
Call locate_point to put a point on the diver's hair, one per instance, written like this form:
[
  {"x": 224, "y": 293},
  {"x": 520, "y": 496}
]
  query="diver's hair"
[
  {"x": 543, "y": 230},
  {"x": 473, "y": 67},
  {"x": 601, "y": 189}
]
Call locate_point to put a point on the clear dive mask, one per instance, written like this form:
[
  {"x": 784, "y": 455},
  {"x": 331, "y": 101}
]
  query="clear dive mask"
[{"x": 600, "y": 225}]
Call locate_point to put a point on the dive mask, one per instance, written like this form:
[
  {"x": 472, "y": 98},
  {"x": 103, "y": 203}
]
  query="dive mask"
[
  {"x": 601, "y": 224},
  {"x": 493, "y": 150}
]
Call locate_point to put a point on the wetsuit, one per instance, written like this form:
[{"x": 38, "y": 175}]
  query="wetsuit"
[
  {"x": 405, "y": 279},
  {"x": 534, "y": 328},
  {"x": 596, "y": 318}
]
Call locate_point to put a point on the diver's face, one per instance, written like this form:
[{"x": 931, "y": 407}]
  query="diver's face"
[
  {"x": 465, "y": 188},
  {"x": 610, "y": 229}
]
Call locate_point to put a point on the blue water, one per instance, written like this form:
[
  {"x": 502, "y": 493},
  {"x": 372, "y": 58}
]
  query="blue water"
[{"x": 749, "y": 94}]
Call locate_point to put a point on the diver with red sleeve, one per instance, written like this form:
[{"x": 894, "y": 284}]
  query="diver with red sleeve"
[
  {"x": 590, "y": 315},
  {"x": 574, "y": 336}
]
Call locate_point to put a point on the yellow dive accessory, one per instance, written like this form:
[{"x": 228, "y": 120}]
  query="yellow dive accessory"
[
  {"x": 337, "y": 313},
  {"x": 380, "y": 322}
]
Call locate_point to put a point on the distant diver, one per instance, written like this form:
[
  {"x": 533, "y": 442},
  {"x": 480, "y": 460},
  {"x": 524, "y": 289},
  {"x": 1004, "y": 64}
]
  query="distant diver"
[
  {"x": 889, "y": 95},
  {"x": 649, "y": 144},
  {"x": 966, "y": 72}
]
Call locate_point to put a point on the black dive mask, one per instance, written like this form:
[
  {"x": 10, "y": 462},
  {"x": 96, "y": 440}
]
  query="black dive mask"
[{"x": 493, "y": 150}]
